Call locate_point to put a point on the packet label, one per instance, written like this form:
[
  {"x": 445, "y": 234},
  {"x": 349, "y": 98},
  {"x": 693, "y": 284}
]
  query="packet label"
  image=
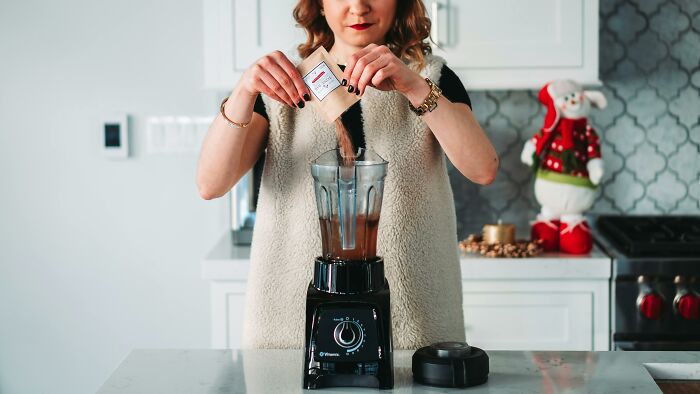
[
  {"x": 321, "y": 81},
  {"x": 322, "y": 75}
]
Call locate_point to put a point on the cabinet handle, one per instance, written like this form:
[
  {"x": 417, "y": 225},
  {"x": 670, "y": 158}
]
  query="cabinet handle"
[
  {"x": 435, "y": 29},
  {"x": 259, "y": 23}
]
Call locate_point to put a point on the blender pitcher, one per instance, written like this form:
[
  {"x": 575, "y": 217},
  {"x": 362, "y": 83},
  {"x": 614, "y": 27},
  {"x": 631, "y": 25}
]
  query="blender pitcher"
[{"x": 349, "y": 201}]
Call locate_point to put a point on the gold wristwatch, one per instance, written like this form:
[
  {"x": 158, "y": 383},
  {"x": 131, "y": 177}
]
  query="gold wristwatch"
[{"x": 430, "y": 102}]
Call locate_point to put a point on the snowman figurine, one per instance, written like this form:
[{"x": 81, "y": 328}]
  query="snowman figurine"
[{"x": 565, "y": 155}]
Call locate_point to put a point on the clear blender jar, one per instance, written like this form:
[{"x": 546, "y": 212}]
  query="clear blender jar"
[{"x": 349, "y": 201}]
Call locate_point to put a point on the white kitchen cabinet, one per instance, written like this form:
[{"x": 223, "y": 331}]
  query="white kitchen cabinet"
[
  {"x": 226, "y": 269},
  {"x": 513, "y": 44},
  {"x": 227, "y": 299},
  {"x": 238, "y": 32},
  {"x": 499, "y": 44},
  {"x": 536, "y": 315},
  {"x": 552, "y": 302}
]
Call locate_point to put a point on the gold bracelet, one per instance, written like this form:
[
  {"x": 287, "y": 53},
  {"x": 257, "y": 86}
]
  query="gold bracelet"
[
  {"x": 232, "y": 124},
  {"x": 430, "y": 102}
]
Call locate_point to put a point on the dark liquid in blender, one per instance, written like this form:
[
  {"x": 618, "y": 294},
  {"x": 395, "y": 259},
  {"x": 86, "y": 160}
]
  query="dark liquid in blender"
[{"x": 365, "y": 239}]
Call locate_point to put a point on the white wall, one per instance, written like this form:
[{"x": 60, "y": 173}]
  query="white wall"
[{"x": 97, "y": 257}]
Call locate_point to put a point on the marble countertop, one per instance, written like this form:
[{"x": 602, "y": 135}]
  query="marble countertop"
[
  {"x": 279, "y": 371},
  {"x": 225, "y": 261}
]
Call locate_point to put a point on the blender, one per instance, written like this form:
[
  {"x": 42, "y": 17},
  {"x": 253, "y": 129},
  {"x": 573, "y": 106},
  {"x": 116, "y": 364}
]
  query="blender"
[{"x": 348, "y": 319}]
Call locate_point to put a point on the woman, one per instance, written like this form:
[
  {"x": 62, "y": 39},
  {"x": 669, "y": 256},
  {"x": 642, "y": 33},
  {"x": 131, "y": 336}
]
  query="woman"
[{"x": 382, "y": 45}]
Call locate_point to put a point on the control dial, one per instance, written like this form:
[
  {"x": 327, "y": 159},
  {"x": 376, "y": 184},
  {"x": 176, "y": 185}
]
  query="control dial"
[
  {"x": 650, "y": 305},
  {"x": 688, "y": 306},
  {"x": 348, "y": 334}
]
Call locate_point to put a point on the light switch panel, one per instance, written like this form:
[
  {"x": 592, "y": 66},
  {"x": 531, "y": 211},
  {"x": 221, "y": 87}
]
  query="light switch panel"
[{"x": 176, "y": 134}]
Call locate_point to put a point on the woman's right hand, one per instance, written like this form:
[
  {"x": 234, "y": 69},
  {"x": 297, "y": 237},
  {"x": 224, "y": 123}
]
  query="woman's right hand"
[{"x": 276, "y": 76}]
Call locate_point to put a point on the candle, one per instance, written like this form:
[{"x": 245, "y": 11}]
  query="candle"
[{"x": 499, "y": 233}]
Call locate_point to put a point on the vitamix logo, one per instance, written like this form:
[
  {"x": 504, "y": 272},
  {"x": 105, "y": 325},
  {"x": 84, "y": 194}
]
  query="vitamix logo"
[{"x": 327, "y": 354}]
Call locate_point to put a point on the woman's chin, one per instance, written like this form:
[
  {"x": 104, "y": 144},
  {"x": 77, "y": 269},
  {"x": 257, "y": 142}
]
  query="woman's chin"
[{"x": 360, "y": 38}]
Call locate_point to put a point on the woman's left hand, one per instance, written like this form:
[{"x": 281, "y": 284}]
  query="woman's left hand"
[{"x": 376, "y": 66}]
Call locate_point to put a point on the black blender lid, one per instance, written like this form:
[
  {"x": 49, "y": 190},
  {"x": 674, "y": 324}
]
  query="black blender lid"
[{"x": 450, "y": 364}]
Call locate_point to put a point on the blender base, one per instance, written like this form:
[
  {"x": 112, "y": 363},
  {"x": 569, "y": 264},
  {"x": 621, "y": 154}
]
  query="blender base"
[{"x": 348, "y": 338}]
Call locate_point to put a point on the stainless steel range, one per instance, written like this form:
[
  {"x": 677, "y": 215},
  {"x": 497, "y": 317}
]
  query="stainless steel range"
[{"x": 655, "y": 280}]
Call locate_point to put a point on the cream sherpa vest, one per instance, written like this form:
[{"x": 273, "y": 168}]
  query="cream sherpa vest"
[{"x": 417, "y": 231}]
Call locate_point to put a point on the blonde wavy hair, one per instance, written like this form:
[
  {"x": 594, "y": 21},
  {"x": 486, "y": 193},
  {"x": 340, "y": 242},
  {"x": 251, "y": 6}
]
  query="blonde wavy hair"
[{"x": 406, "y": 38}]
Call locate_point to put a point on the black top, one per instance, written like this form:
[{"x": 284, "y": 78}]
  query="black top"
[{"x": 452, "y": 89}]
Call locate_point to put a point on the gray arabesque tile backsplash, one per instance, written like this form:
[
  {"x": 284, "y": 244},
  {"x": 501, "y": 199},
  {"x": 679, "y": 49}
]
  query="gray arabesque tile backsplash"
[{"x": 649, "y": 65}]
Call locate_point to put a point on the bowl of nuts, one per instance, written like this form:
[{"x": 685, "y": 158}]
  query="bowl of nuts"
[{"x": 498, "y": 240}]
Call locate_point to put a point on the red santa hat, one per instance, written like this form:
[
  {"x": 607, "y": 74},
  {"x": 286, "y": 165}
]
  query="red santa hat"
[
  {"x": 550, "y": 92},
  {"x": 551, "y": 118}
]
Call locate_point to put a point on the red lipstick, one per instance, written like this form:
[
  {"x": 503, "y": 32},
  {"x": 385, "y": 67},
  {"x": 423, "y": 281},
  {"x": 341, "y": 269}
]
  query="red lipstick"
[{"x": 361, "y": 26}]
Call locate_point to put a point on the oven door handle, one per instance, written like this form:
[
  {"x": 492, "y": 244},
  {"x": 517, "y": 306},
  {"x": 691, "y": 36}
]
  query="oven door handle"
[{"x": 657, "y": 345}]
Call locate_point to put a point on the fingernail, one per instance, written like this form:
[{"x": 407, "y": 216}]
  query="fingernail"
[
  {"x": 350, "y": 89},
  {"x": 300, "y": 104},
  {"x": 357, "y": 92},
  {"x": 307, "y": 97},
  {"x": 344, "y": 82}
]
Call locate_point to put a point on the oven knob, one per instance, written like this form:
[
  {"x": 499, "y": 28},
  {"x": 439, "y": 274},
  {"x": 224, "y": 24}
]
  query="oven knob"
[
  {"x": 688, "y": 306},
  {"x": 650, "y": 305}
]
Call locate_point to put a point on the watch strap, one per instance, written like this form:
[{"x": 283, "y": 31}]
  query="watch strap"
[{"x": 430, "y": 102}]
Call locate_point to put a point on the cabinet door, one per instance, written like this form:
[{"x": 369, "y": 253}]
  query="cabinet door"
[
  {"x": 238, "y": 32},
  {"x": 529, "y": 320},
  {"x": 227, "y": 306},
  {"x": 515, "y": 43},
  {"x": 262, "y": 26}
]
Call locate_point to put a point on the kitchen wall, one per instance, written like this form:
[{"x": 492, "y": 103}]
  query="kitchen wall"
[
  {"x": 100, "y": 256},
  {"x": 650, "y": 130},
  {"x": 97, "y": 256}
]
